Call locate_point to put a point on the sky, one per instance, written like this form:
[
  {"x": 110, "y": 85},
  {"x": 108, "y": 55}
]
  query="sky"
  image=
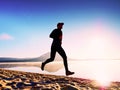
[{"x": 91, "y": 27}]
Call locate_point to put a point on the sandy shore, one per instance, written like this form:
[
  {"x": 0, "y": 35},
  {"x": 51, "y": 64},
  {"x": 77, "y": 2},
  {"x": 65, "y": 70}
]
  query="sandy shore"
[{"x": 18, "y": 80}]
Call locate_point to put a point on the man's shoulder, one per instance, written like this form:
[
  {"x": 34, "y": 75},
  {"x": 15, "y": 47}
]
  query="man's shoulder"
[{"x": 55, "y": 30}]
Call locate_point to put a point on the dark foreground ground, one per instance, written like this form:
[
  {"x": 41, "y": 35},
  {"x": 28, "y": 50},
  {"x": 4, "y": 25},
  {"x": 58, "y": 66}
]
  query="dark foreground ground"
[{"x": 17, "y": 80}]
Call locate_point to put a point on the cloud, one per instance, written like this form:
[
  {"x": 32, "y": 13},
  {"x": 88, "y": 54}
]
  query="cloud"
[{"x": 5, "y": 36}]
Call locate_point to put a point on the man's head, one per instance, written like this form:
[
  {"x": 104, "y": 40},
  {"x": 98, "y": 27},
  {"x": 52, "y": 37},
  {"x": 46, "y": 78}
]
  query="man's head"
[{"x": 60, "y": 25}]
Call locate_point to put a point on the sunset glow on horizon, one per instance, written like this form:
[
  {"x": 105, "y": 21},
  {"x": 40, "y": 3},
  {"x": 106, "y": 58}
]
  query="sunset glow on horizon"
[{"x": 96, "y": 41}]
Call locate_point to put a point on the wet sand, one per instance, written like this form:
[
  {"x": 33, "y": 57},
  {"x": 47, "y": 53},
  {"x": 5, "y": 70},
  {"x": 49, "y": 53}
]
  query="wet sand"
[{"x": 18, "y": 80}]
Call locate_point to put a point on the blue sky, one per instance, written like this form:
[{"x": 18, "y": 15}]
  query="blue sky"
[{"x": 25, "y": 24}]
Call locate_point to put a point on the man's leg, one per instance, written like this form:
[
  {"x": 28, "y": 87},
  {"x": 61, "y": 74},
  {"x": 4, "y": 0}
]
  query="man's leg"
[
  {"x": 52, "y": 56},
  {"x": 61, "y": 51}
]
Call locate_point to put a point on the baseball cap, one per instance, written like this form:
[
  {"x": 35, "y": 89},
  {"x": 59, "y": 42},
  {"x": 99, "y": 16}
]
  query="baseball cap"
[{"x": 60, "y": 23}]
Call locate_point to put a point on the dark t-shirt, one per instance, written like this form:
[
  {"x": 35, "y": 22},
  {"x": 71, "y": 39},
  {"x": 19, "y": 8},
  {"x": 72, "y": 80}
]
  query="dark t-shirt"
[{"x": 56, "y": 34}]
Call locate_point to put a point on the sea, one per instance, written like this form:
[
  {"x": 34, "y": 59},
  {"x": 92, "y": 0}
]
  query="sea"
[{"x": 103, "y": 71}]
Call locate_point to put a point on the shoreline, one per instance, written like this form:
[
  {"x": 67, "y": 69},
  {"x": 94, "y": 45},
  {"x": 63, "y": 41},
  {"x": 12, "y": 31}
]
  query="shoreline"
[{"x": 12, "y": 79}]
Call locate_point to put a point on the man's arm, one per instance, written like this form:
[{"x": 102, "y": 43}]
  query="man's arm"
[{"x": 53, "y": 34}]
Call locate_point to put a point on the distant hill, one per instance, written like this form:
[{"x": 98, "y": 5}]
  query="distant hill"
[
  {"x": 47, "y": 55},
  {"x": 4, "y": 59},
  {"x": 37, "y": 59}
]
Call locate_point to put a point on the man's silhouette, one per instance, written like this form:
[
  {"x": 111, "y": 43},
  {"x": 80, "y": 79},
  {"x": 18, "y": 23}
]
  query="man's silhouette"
[{"x": 56, "y": 34}]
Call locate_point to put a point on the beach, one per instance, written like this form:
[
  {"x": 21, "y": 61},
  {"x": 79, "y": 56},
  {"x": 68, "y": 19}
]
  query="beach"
[{"x": 19, "y": 80}]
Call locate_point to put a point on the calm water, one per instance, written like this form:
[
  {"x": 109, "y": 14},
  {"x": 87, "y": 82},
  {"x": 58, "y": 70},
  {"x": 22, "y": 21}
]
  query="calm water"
[{"x": 104, "y": 70}]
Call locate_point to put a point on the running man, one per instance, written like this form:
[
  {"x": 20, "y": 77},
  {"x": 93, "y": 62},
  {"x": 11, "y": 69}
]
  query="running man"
[{"x": 56, "y": 34}]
